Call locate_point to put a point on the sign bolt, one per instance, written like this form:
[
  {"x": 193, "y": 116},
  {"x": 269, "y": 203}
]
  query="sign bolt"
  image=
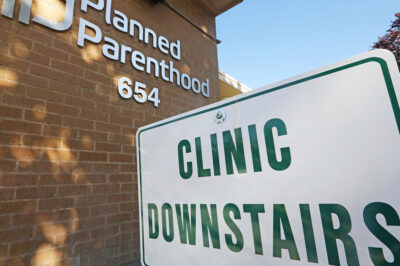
[{"x": 219, "y": 116}]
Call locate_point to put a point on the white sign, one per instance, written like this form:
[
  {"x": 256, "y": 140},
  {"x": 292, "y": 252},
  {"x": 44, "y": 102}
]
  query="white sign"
[{"x": 303, "y": 171}]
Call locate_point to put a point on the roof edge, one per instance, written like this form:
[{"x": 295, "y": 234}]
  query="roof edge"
[{"x": 233, "y": 82}]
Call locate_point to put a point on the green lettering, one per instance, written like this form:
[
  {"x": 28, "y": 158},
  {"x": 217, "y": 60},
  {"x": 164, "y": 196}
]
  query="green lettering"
[
  {"x": 238, "y": 246},
  {"x": 210, "y": 225},
  {"x": 215, "y": 155},
  {"x": 185, "y": 174},
  {"x": 280, "y": 217},
  {"x": 166, "y": 213},
  {"x": 308, "y": 233},
  {"x": 187, "y": 229},
  {"x": 153, "y": 217},
  {"x": 255, "y": 151},
  {"x": 341, "y": 233},
  {"x": 201, "y": 171},
  {"x": 254, "y": 210},
  {"x": 237, "y": 152},
  {"x": 270, "y": 144},
  {"x": 392, "y": 219}
]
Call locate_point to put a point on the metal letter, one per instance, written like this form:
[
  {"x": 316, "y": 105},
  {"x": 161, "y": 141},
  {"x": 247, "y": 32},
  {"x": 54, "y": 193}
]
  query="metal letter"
[
  {"x": 59, "y": 26},
  {"x": 25, "y": 11},
  {"x": 7, "y": 9}
]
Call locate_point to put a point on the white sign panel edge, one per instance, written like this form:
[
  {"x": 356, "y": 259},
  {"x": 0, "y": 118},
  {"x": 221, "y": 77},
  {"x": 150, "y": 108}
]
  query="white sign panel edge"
[{"x": 384, "y": 58}]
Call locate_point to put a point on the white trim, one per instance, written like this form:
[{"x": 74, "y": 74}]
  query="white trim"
[{"x": 233, "y": 82}]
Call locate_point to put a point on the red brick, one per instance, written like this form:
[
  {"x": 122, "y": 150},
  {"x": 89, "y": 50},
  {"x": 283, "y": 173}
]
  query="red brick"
[
  {"x": 7, "y": 165},
  {"x": 132, "y": 114},
  {"x": 93, "y": 115},
  {"x": 105, "y": 167},
  {"x": 101, "y": 188},
  {"x": 93, "y": 135},
  {"x": 62, "y": 109},
  {"x": 55, "y": 179},
  {"x": 43, "y": 117},
  {"x": 108, "y": 127},
  {"x": 4, "y": 48},
  {"x": 128, "y": 187},
  {"x": 77, "y": 60},
  {"x": 33, "y": 35},
  {"x": 93, "y": 156},
  {"x": 108, "y": 108},
  {"x": 22, "y": 153},
  {"x": 128, "y": 148},
  {"x": 50, "y": 52},
  {"x": 24, "y": 219},
  {"x": 56, "y": 131},
  {"x": 48, "y": 73},
  {"x": 24, "y": 247},
  {"x": 96, "y": 97},
  {"x": 38, "y": 141},
  {"x": 120, "y": 120},
  {"x": 73, "y": 190},
  {"x": 115, "y": 198},
  {"x": 35, "y": 192},
  {"x": 82, "y": 82},
  {"x": 121, "y": 178},
  {"x": 123, "y": 158},
  {"x": 33, "y": 80},
  {"x": 97, "y": 77},
  {"x": 63, "y": 155},
  {"x": 118, "y": 218},
  {"x": 14, "y": 63},
  {"x": 63, "y": 123},
  {"x": 104, "y": 232},
  {"x": 45, "y": 94},
  {"x": 19, "y": 179},
  {"x": 129, "y": 130},
  {"x": 95, "y": 178},
  {"x": 40, "y": 166},
  {"x": 8, "y": 111},
  {"x": 10, "y": 138},
  {"x": 130, "y": 167},
  {"x": 90, "y": 200},
  {"x": 23, "y": 233},
  {"x": 66, "y": 67},
  {"x": 78, "y": 236},
  {"x": 79, "y": 144},
  {"x": 128, "y": 206},
  {"x": 38, "y": 58},
  {"x": 17, "y": 206},
  {"x": 19, "y": 126},
  {"x": 55, "y": 204},
  {"x": 123, "y": 139},
  {"x": 77, "y": 122},
  {"x": 104, "y": 210},
  {"x": 64, "y": 87},
  {"x": 12, "y": 37},
  {"x": 108, "y": 147},
  {"x": 7, "y": 193},
  {"x": 4, "y": 222},
  {"x": 91, "y": 223},
  {"x": 79, "y": 102}
]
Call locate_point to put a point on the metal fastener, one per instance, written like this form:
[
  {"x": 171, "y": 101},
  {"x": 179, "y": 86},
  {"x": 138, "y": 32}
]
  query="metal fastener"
[{"x": 219, "y": 116}]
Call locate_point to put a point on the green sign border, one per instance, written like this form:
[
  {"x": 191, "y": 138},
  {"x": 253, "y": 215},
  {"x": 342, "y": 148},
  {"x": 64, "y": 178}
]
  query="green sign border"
[{"x": 380, "y": 61}]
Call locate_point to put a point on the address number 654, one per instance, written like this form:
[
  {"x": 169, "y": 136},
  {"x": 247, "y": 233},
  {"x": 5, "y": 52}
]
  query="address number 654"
[{"x": 139, "y": 93}]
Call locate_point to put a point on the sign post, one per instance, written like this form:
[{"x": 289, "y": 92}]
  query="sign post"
[{"x": 303, "y": 171}]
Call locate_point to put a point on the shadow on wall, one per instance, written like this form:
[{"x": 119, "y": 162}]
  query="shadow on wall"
[
  {"x": 55, "y": 203},
  {"x": 68, "y": 184}
]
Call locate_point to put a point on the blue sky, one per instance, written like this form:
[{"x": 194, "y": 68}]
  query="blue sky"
[{"x": 264, "y": 41}]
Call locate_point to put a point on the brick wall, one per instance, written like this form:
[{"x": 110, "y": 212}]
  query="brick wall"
[{"x": 68, "y": 184}]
